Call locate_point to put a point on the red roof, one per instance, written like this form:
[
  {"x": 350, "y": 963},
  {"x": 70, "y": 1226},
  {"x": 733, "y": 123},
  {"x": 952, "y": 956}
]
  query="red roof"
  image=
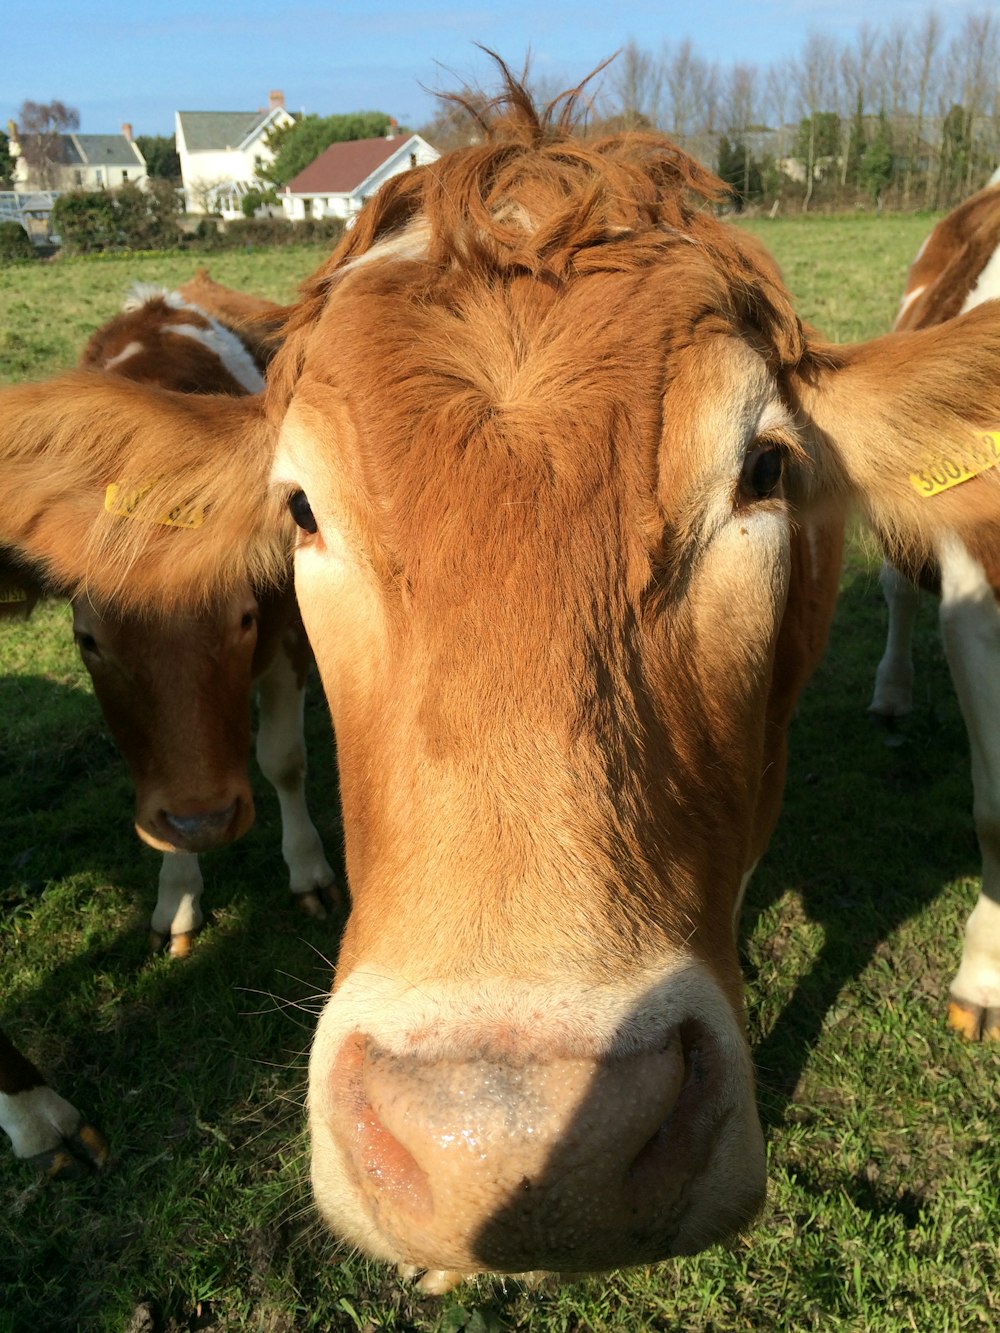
[{"x": 342, "y": 167}]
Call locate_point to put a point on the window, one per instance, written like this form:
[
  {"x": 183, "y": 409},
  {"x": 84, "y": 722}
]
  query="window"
[
  {"x": 98, "y": 177},
  {"x": 307, "y": 208},
  {"x": 413, "y": 159},
  {"x": 124, "y": 176}
]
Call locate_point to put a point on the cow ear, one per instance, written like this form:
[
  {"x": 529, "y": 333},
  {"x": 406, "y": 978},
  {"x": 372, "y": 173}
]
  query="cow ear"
[
  {"x": 908, "y": 427},
  {"x": 149, "y": 498}
]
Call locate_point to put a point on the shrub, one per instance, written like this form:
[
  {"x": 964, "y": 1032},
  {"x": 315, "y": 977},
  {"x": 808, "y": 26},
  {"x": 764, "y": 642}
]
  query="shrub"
[
  {"x": 127, "y": 218},
  {"x": 15, "y": 243}
]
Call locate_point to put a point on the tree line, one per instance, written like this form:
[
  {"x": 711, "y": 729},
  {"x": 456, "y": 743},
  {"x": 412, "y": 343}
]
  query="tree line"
[{"x": 906, "y": 116}]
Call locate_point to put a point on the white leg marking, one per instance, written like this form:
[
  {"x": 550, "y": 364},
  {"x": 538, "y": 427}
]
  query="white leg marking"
[
  {"x": 178, "y": 907},
  {"x": 37, "y": 1120},
  {"x": 894, "y": 676},
  {"x": 970, "y": 627},
  {"x": 281, "y": 754}
]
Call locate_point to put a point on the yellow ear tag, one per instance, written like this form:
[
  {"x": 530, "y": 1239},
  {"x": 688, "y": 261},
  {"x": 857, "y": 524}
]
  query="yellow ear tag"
[
  {"x": 12, "y": 597},
  {"x": 952, "y": 469},
  {"x": 123, "y": 504}
]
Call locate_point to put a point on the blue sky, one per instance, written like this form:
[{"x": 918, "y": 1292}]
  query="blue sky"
[{"x": 140, "y": 61}]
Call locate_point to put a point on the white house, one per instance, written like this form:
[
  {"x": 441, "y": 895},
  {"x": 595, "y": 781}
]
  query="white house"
[
  {"x": 338, "y": 182},
  {"x": 222, "y": 153},
  {"x": 84, "y": 162}
]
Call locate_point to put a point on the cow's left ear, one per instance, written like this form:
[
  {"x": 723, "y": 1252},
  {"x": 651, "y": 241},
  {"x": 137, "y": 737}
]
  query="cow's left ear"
[{"x": 908, "y": 426}]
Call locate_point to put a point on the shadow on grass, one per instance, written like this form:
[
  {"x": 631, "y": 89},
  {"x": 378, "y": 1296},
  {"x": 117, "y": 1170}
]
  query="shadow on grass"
[
  {"x": 186, "y": 1066},
  {"x": 874, "y": 823}
]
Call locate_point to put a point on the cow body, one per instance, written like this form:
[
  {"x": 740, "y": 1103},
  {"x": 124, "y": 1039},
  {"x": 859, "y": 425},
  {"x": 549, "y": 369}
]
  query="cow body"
[
  {"x": 570, "y": 497},
  {"x": 957, "y": 269}
]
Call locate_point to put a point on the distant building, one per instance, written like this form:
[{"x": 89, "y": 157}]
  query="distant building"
[
  {"x": 81, "y": 162},
  {"x": 338, "y": 182},
  {"x": 222, "y": 154}
]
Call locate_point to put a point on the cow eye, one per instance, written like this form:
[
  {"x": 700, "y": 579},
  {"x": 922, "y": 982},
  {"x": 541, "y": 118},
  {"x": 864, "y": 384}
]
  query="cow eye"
[
  {"x": 298, "y": 507},
  {"x": 86, "y": 643},
  {"x": 761, "y": 472}
]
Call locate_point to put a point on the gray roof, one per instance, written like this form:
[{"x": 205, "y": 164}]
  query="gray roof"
[
  {"x": 106, "y": 150},
  {"x": 208, "y": 131},
  {"x": 97, "y": 150}
]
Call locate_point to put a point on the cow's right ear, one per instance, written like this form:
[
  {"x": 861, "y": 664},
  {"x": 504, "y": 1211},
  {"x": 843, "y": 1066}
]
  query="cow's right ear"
[
  {"x": 886, "y": 421},
  {"x": 152, "y": 499}
]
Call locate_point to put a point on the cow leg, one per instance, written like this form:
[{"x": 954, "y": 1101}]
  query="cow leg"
[
  {"x": 177, "y": 915},
  {"x": 893, "y": 695},
  {"x": 42, "y": 1126},
  {"x": 970, "y": 628},
  {"x": 281, "y": 754}
]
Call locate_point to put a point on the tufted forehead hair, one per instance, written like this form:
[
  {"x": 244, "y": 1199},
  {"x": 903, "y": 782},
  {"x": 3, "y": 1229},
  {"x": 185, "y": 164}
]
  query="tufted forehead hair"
[{"x": 536, "y": 196}]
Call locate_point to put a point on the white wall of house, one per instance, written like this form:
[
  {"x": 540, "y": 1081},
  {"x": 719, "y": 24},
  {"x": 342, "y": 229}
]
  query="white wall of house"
[
  {"x": 298, "y": 207},
  {"x": 202, "y": 170}
]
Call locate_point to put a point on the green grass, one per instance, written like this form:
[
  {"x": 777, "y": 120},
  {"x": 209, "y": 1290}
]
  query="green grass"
[{"x": 884, "y": 1203}]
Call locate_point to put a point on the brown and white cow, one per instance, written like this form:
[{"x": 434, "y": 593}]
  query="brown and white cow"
[
  {"x": 176, "y": 689},
  {"x": 956, "y": 270},
  {"x": 570, "y": 478}
]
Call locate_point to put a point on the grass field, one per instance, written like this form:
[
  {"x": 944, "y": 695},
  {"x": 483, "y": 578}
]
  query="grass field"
[{"x": 884, "y": 1204}]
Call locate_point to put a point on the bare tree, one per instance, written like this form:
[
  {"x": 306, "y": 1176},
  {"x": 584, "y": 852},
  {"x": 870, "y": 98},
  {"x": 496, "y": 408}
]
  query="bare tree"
[
  {"x": 856, "y": 78},
  {"x": 925, "y": 53},
  {"x": 813, "y": 91},
  {"x": 41, "y": 126},
  {"x": 636, "y": 82},
  {"x": 739, "y": 99}
]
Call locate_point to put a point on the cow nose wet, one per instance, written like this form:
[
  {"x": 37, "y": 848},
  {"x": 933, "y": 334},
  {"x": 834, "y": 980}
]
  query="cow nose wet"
[
  {"x": 203, "y": 830},
  {"x": 571, "y": 1163}
]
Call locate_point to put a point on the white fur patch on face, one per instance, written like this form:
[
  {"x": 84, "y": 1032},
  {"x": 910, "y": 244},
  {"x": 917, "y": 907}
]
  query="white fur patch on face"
[
  {"x": 410, "y": 243},
  {"x": 908, "y": 299},
  {"x": 217, "y": 338},
  {"x": 141, "y": 294},
  {"x": 227, "y": 347},
  {"x": 130, "y": 349}
]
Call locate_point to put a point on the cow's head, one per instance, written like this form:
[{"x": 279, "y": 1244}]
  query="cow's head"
[
  {"x": 175, "y": 692},
  {"x": 568, "y": 476}
]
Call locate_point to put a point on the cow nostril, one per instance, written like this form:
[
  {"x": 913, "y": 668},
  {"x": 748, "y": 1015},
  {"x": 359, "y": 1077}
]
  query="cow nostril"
[{"x": 204, "y": 824}]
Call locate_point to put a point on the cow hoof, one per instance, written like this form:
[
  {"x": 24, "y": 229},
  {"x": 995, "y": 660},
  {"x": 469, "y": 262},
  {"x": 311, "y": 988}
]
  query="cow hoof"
[
  {"x": 74, "y": 1156},
  {"x": 177, "y": 946},
  {"x": 318, "y": 903},
  {"x": 182, "y": 943},
  {"x": 434, "y": 1282},
  {"x": 974, "y": 1022}
]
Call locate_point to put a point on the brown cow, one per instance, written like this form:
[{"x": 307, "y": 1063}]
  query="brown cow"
[
  {"x": 176, "y": 690},
  {"x": 570, "y": 479},
  {"x": 957, "y": 269}
]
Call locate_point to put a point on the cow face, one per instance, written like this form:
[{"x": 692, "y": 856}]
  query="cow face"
[
  {"x": 543, "y": 573},
  {"x": 176, "y": 695}
]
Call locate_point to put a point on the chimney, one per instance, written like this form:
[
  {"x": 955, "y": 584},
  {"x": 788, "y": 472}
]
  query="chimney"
[
  {"x": 275, "y": 98},
  {"x": 127, "y": 130},
  {"x": 393, "y": 128}
]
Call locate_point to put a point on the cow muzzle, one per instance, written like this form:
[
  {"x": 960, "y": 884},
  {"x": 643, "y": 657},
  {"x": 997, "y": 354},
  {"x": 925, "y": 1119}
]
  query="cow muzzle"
[{"x": 511, "y": 1162}]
